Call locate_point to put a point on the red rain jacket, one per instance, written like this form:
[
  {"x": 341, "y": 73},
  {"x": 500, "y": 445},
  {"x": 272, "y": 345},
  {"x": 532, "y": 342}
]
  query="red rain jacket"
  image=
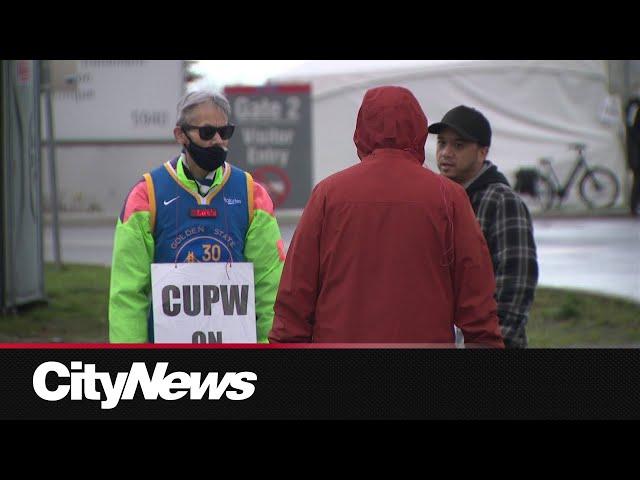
[{"x": 387, "y": 251}]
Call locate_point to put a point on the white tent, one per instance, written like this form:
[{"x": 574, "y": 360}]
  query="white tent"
[{"x": 536, "y": 108}]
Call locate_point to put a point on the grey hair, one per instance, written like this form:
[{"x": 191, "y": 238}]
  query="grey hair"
[{"x": 191, "y": 100}]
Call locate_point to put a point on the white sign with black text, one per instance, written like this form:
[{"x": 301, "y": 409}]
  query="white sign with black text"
[
  {"x": 118, "y": 101},
  {"x": 203, "y": 303}
]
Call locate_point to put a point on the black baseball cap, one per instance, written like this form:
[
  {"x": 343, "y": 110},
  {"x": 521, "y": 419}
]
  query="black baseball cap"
[{"x": 468, "y": 122}]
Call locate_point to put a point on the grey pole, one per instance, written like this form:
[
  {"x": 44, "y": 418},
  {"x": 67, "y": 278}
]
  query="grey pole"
[{"x": 51, "y": 154}]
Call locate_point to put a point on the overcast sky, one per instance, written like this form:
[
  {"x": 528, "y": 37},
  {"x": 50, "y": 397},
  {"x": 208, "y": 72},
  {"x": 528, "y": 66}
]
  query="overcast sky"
[
  {"x": 247, "y": 72},
  {"x": 219, "y": 73}
]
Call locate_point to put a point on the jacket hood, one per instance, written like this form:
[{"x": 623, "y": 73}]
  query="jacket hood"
[
  {"x": 391, "y": 117},
  {"x": 490, "y": 175}
]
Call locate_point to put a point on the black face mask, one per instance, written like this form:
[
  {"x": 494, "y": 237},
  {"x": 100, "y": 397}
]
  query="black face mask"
[{"x": 207, "y": 158}]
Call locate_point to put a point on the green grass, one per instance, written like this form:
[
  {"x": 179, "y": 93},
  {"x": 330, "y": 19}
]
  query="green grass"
[
  {"x": 76, "y": 310},
  {"x": 78, "y": 303},
  {"x": 570, "y": 318}
]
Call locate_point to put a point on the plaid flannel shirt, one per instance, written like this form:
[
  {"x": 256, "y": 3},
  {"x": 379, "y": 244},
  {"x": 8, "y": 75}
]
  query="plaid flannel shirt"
[{"x": 506, "y": 224}]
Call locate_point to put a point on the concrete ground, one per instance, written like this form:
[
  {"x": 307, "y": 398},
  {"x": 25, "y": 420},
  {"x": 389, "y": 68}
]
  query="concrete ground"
[{"x": 574, "y": 251}]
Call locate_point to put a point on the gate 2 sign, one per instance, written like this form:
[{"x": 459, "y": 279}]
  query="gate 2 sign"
[{"x": 273, "y": 139}]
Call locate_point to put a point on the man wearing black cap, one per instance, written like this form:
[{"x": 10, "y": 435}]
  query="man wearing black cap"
[{"x": 464, "y": 138}]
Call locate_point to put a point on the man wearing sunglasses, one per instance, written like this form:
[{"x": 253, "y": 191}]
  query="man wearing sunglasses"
[{"x": 165, "y": 210}]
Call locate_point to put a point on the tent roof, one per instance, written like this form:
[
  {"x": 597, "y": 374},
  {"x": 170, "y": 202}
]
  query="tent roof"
[
  {"x": 329, "y": 77},
  {"x": 332, "y": 67}
]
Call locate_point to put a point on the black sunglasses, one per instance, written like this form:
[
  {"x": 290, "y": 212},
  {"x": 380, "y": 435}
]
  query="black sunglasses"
[{"x": 207, "y": 132}]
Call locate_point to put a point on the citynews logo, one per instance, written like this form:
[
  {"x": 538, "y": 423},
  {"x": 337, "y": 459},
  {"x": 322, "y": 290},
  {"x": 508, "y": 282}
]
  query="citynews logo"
[{"x": 83, "y": 381}]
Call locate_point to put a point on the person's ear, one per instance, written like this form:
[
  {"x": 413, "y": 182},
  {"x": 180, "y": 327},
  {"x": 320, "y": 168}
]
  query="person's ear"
[{"x": 180, "y": 137}]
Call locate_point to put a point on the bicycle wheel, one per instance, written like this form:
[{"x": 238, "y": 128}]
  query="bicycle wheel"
[
  {"x": 599, "y": 188},
  {"x": 542, "y": 197}
]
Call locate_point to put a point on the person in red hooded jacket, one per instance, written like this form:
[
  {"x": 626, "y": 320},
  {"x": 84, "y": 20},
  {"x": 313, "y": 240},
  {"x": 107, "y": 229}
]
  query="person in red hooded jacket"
[{"x": 387, "y": 251}]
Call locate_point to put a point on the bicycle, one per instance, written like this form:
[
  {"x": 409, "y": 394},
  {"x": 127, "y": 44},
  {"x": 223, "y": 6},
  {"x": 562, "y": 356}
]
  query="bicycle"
[{"x": 599, "y": 187}]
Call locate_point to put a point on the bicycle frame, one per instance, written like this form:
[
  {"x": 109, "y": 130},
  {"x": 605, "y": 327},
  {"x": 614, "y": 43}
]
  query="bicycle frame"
[
  {"x": 598, "y": 186},
  {"x": 563, "y": 190}
]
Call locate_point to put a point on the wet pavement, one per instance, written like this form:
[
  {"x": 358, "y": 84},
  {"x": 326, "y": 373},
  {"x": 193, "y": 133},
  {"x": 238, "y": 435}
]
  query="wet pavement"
[{"x": 599, "y": 255}]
